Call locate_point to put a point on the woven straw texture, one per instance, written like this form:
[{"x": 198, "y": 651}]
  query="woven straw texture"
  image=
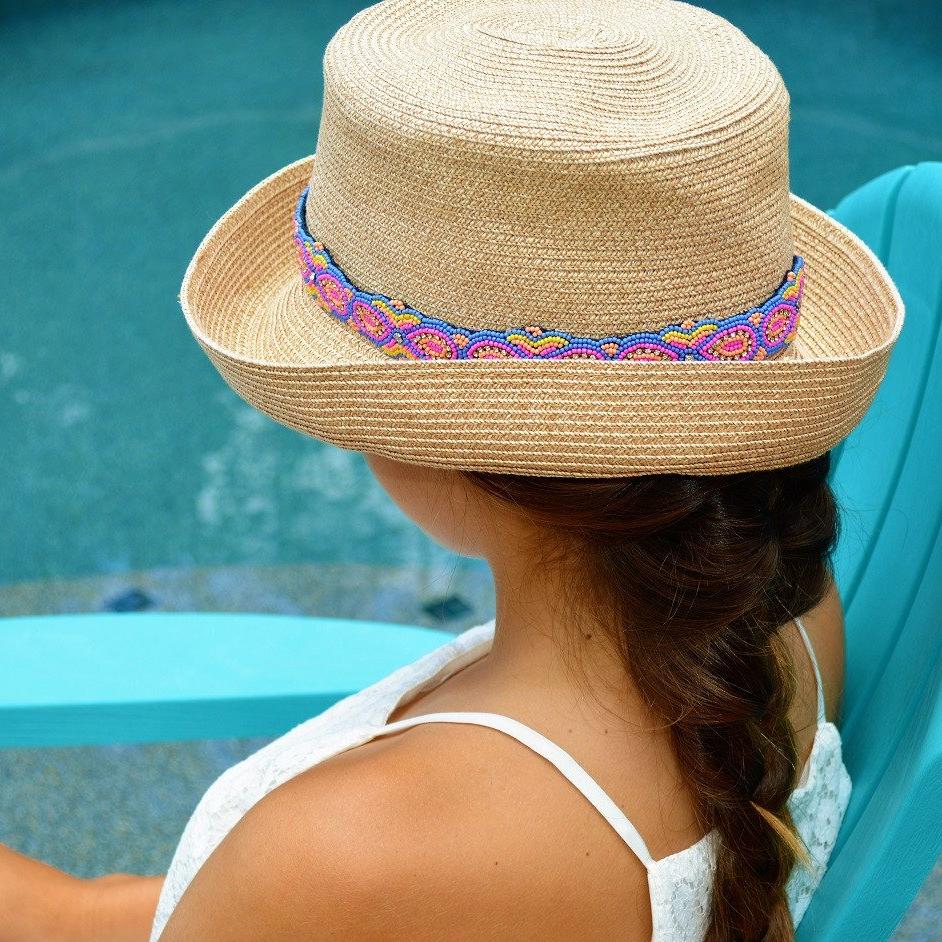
[{"x": 600, "y": 168}]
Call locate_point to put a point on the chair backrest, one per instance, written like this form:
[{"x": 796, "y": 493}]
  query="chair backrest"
[{"x": 886, "y": 477}]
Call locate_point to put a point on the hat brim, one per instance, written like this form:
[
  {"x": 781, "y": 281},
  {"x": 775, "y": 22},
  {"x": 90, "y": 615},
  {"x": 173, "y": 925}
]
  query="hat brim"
[{"x": 244, "y": 300}]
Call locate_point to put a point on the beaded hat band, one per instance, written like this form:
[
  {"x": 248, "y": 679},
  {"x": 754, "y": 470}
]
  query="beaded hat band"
[{"x": 759, "y": 333}]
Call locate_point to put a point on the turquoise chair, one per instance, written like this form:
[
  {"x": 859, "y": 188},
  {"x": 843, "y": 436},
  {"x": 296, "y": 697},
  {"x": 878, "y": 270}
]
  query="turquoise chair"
[
  {"x": 889, "y": 572},
  {"x": 106, "y": 678}
]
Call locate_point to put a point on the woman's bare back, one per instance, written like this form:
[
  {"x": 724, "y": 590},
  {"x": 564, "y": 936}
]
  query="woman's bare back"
[{"x": 461, "y": 832}]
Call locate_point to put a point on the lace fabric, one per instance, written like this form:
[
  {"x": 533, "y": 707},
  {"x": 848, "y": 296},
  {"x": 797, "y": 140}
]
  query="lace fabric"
[
  {"x": 818, "y": 808},
  {"x": 680, "y": 885}
]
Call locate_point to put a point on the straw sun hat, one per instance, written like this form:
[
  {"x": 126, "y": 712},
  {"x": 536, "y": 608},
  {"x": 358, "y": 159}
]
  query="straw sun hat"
[{"x": 549, "y": 237}]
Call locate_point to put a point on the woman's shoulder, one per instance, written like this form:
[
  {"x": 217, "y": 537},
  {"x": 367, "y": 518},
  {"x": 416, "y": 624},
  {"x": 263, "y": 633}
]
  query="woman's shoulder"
[
  {"x": 825, "y": 627},
  {"x": 352, "y": 848},
  {"x": 408, "y": 835}
]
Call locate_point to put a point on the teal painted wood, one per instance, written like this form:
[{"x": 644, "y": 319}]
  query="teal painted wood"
[
  {"x": 889, "y": 571},
  {"x": 80, "y": 679}
]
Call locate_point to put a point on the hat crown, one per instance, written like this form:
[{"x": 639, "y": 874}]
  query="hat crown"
[
  {"x": 602, "y": 169},
  {"x": 578, "y": 30}
]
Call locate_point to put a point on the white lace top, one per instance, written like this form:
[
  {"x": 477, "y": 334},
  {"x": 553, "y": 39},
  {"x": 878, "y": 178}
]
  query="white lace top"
[{"x": 680, "y": 884}]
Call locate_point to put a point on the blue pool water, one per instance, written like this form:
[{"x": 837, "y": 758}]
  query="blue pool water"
[
  {"x": 128, "y": 128},
  {"x": 131, "y": 476}
]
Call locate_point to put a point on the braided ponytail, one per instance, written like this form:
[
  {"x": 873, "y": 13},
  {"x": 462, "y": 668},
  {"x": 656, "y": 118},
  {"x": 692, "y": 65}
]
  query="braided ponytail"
[{"x": 703, "y": 572}]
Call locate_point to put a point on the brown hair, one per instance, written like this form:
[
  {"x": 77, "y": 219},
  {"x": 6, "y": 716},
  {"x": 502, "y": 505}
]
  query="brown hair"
[{"x": 702, "y": 571}]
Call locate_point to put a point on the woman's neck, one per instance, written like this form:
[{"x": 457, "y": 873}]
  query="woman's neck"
[{"x": 550, "y": 640}]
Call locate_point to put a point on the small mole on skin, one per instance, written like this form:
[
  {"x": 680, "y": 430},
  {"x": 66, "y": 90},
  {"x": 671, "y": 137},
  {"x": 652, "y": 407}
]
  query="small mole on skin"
[
  {"x": 588, "y": 637},
  {"x": 570, "y": 729}
]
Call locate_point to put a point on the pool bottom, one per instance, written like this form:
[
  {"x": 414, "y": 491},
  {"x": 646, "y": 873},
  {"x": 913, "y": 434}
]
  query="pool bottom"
[{"x": 451, "y": 596}]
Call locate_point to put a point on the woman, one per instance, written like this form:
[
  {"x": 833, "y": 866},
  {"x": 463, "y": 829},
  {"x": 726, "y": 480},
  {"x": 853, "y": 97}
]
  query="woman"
[{"x": 554, "y": 286}]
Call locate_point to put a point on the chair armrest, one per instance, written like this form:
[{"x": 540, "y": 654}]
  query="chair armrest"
[{"x": 106, "y": 678}]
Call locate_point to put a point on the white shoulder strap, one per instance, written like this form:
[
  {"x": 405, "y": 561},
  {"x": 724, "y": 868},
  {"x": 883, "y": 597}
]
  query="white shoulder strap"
[
  {"x": 555, "y": 756},
  {"x": 822, "y": 716}
]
